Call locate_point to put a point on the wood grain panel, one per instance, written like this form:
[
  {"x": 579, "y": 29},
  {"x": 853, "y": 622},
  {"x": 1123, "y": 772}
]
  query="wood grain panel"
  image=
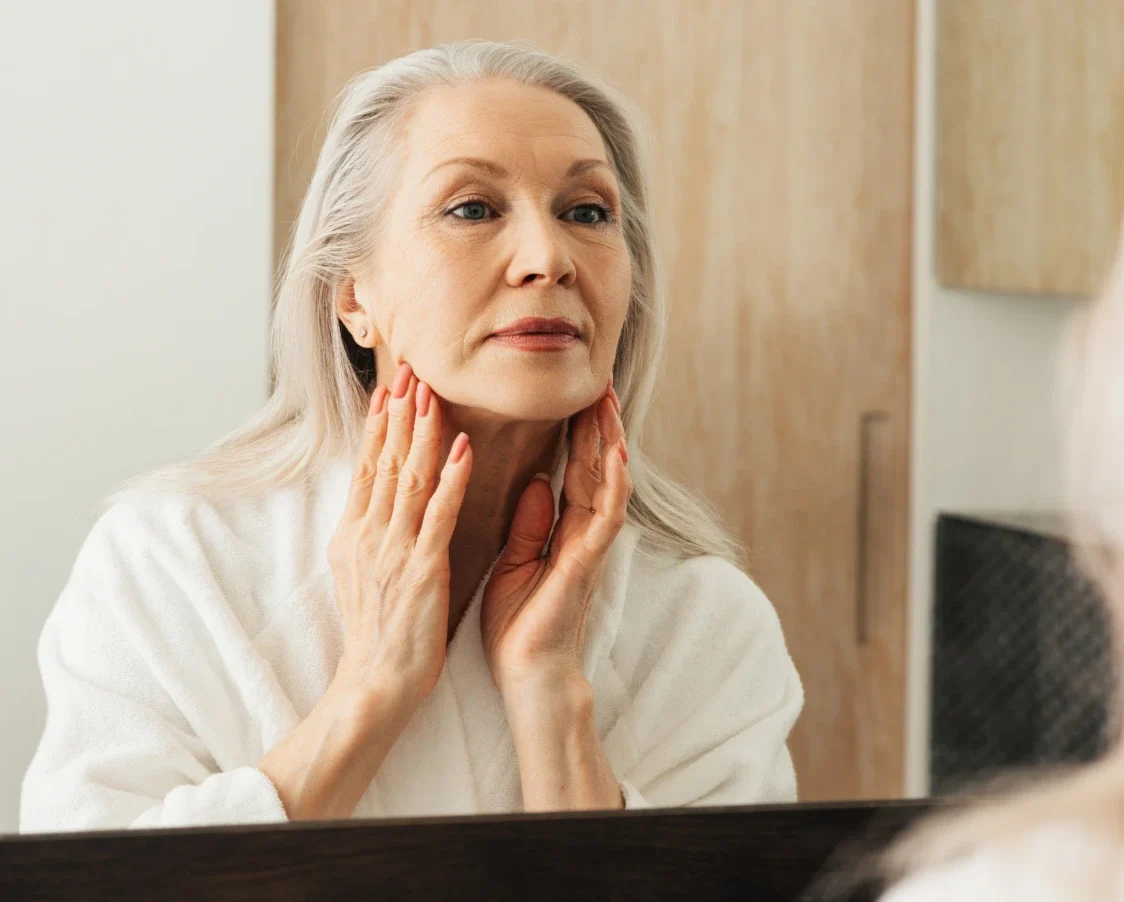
[
  {"x": 781, "y": 192},
  {"x": 824, "y": 296},
  {"x": 1030, "y": 181}
]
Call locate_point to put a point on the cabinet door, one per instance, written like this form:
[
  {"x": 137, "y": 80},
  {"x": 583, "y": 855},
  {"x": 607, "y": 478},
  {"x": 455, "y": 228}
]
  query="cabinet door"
[
  {"x": 781, "y": 191},
  {"x": 1030, "y": 166}
]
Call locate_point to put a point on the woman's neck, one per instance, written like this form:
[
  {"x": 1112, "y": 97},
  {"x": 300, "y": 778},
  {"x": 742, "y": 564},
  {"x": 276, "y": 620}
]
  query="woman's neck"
[{"x": 505, "y": 458}]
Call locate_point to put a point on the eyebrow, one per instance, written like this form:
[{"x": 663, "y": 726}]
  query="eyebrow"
[{"x": 495, "y": 169}]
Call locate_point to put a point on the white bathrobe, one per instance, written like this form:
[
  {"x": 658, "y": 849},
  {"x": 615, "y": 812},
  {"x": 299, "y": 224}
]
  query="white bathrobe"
[{"x": 191, "y": 637}]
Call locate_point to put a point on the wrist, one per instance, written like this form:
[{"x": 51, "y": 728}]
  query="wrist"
[
  {"x": 562, "y": 765},
  {"x": 325, "y": 764},
  {"x": 384, "y": 701},
  {"x": 552, "y": 699}
]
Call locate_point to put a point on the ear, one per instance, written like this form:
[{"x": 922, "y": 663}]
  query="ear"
[{"x": 353, "y": 316}]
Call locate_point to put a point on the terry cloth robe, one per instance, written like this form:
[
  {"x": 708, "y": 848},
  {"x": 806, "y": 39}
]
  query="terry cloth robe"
[{"x": 191, "y": 637}]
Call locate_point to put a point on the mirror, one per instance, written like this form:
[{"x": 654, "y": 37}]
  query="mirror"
[{"x": 849, "y": 430}]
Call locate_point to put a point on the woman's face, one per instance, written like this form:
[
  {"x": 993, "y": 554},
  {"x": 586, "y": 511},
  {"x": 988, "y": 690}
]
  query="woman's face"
[{"x": 530, "y": 230}]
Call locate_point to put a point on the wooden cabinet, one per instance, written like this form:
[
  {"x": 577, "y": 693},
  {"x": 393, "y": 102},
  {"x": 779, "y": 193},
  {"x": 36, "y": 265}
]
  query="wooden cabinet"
[
  {"x": 1030, "y": 132},
  {"x": 782, "y": 193}
]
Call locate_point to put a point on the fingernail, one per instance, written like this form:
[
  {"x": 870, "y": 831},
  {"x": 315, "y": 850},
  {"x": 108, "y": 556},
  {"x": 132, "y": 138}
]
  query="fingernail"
[
  {"x": 616, "y": 400},
  {"x": 542, "y": 476},
  {"x": 423, "y": 396},
  {"x": 378, "y": 399},
  {"x": 624, "y": 450},
  {"x": 457, "y": 451},
  {"x": 401, "y": 380}
]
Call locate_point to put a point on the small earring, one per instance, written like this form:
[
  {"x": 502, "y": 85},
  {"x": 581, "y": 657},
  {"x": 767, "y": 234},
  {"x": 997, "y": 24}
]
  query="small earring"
[{"x": 362, "y": 333}]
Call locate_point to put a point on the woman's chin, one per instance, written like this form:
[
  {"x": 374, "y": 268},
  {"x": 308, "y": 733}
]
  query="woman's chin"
[
  {"x": 501, "y": 403},
  {"x": 523, "y": 406},
  {"x": 553, "y": 408},
  {"x": 527, "y": 391}
]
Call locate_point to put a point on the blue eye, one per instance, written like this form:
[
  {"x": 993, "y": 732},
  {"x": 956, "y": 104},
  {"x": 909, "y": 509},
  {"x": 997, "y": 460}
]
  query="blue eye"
[
  {"x": 603, "y": 212},
  {"x": 476, "y": 207}
]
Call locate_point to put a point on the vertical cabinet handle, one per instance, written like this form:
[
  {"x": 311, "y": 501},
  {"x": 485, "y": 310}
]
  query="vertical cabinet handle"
[{"x": 862, "y": 555}]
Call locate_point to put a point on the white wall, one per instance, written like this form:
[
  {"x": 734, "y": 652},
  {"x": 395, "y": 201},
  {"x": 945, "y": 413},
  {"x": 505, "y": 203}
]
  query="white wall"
[
  {"x": 985, "y": 434},
  {"x": 136, "y": 190}
]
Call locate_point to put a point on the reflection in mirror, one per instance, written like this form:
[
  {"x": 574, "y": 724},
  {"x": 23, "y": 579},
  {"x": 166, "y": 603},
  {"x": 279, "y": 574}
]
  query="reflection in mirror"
[{"x": 387, "y": 612}]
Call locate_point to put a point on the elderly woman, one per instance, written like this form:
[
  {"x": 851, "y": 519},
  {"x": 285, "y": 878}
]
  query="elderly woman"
[{"x": 432, "y": 576}]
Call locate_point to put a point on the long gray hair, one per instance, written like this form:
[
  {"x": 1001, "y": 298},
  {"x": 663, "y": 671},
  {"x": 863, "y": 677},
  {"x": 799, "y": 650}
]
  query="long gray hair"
[{"x": 323, "y": 379}]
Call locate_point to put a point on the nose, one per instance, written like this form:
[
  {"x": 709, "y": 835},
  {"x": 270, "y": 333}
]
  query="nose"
[{"x": 541, "y": 253}]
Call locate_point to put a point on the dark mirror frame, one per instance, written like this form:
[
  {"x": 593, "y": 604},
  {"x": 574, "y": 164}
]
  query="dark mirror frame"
[{"x": 789, "y": 852}]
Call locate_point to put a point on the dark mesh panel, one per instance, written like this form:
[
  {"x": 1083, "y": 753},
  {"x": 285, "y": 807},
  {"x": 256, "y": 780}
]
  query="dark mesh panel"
[{"x": 1021, "y": 663}]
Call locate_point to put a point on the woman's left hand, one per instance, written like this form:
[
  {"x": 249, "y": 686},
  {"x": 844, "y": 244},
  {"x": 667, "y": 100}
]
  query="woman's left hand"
[{"x": 534, "y": 607}]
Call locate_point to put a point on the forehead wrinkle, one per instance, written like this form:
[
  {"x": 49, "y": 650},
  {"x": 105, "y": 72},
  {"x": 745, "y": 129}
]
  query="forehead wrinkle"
[
  {"x": 563, "y": 130},
  {"x": 539, "y": 173}
]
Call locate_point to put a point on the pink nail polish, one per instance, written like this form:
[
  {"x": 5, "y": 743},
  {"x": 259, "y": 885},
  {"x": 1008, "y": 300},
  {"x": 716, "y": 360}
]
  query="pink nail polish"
[
  {"x": 424, "y": 394},
  {"x": 458, "y": 449},
  {"x": 401, "y": 381},
  {"x": 378, "y": 399}
]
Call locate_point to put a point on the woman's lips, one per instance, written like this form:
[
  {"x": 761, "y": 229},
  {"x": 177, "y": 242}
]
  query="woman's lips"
[
  {"x": 536, "y": 333},
  {"x": 536, "y": 341}
]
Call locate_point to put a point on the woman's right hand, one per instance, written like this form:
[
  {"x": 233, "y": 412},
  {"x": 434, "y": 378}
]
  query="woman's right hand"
[
  {"x": 389, "y": 556},
  {"x": 390, "y": 562}
]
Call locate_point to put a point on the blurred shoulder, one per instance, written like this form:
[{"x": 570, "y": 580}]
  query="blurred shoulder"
[{"x": 1055, "y": 862}]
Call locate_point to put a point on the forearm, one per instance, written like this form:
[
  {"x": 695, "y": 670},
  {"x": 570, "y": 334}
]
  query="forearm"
[
  {"x": 561, "y": 763},
  {"x": 323, "y": 767}
]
